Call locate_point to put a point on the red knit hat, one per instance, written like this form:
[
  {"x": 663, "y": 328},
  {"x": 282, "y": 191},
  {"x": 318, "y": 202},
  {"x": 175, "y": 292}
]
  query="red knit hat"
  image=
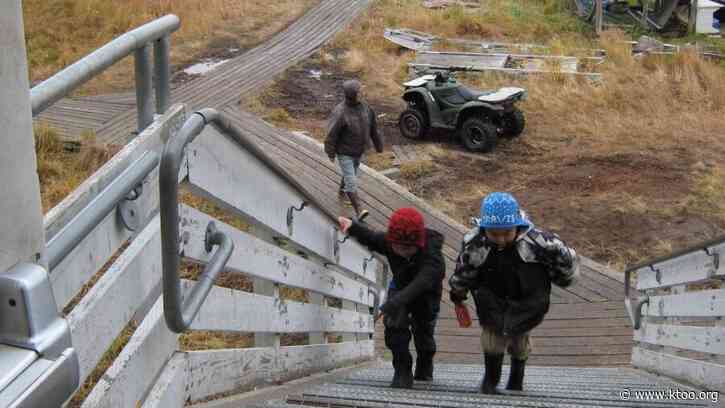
[{"x": 406, "y": 227}]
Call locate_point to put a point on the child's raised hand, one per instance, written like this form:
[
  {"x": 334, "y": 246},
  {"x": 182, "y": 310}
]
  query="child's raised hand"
[{"x": 345, "y": 224}]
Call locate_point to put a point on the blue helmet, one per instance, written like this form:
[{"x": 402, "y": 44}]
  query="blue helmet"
[{"x": 501, "y": 210}]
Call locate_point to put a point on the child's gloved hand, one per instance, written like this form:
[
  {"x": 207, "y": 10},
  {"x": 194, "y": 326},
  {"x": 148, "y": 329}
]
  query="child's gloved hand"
[{"x": 464, "y": 318}]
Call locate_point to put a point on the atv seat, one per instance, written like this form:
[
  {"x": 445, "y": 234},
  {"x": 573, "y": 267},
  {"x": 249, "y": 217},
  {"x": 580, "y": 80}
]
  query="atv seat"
[
  {"x": 457, "y": 96},
  {"x": 470, "y": 94}
]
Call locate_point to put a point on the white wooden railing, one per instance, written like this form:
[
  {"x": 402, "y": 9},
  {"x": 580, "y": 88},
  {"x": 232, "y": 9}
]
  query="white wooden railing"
[
  {"x": 151, "y": 370},
  {"x": 680, "y": 331}
]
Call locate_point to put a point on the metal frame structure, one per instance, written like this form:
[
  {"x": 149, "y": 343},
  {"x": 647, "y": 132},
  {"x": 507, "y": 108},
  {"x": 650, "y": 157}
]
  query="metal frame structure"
[
  {"x": 634, "y": 306},
  {"x": 137, "y": 42},
  {"x": 41, "y": 366}
]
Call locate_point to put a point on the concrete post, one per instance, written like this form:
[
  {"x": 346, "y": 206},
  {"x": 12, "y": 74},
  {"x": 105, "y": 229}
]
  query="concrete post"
[{"x": 21, "y": 214}]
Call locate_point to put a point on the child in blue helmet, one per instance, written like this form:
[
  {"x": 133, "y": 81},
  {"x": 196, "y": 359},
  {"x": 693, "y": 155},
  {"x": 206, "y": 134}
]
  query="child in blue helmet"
[{"x": 509, "y": 266}]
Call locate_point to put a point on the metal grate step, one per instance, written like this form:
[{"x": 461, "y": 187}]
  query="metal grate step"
[{"x": 456, "y": 386}]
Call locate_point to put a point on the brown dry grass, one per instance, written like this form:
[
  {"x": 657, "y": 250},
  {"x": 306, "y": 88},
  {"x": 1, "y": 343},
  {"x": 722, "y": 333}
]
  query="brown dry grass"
[
  {"x": 59, "y": 170},
  {"x": 214, "y": 340},
  {"x": 380, "y": 161},
  {"x": 80, "y": 26},
  {"x": 500, "y": 20},
  {"x": 417, "y": 169}
]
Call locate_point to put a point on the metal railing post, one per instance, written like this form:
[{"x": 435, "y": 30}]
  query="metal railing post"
[
  {"x": 144, "y": 85},
  {"x": 162, "y": 74},
  {"x": 70, "y": 78}
]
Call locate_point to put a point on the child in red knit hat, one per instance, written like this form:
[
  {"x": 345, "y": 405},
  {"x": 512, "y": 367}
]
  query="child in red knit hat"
[{"x": 415, "y": 255}]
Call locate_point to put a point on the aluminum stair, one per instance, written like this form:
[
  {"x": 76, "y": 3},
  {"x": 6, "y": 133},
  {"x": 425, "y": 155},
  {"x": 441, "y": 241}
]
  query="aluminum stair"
[{"x": 456, "y": 386}]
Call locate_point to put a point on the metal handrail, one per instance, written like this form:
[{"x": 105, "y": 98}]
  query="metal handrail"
[
  {"x": 136, "y": 41},
  {"x": 180, "y": 314},
  {"x": 635, "y": 312},
  {"x": 179, "y": 317},
  {"x": 92, "y": 214}
]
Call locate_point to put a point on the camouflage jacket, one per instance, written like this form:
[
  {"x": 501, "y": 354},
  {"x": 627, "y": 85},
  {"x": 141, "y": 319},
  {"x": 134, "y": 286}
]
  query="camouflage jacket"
[
  {"x": 533, "y": 246},
  {"x": 512, "y": 290}
]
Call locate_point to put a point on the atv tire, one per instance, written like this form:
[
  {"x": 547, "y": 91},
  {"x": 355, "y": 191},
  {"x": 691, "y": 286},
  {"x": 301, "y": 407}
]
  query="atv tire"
[
  {"x": 513, "y": 123},
  {"x": 478, "y": 135},
  {"x": 413, "y": 124}
]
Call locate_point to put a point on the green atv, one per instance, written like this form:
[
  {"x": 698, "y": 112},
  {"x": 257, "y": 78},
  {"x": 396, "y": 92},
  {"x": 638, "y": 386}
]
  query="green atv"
[{"x": 480, "y": 118}]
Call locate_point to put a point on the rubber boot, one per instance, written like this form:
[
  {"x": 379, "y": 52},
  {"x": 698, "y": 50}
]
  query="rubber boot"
[
  {"x": 403, "y": 364},
  {"x": 492, "y": 375},
  {"x": 424, "y": 367},
  {"x": 396, "y": 372},
  {"x": 355, "y": 201},
  {"x": 341, "y": 192},
  {"x": 516, "y": 376}
]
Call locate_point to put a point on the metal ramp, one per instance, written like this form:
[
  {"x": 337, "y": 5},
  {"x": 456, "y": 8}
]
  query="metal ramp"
[{"x": 456, "y": 385}]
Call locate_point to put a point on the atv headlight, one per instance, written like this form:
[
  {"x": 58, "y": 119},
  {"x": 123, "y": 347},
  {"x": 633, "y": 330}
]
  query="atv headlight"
[{"x": 523, "y": 96}]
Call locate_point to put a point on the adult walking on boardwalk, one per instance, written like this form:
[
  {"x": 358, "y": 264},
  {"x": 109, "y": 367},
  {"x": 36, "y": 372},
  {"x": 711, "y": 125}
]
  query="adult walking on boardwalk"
[
  {"x": 415, "y": 255},
  {"x": 509, "y": 266},
  {"x": 351, "y": 127}
]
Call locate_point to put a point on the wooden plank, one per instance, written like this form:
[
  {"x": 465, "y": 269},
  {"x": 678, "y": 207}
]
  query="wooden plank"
[
  {"x": 544, "y": 360},
  {"x": 583, "y": 292},
  {"x": 546, "y": 341},
  {"x": 703, "y": 303},
  {"x": 224, "y": 170},
  {"x": 233, "y": 310},
  {"x": 693, "y": 267},
  {"x": 467, "y": 344},
  {"x": 702, "y": 339},
  {"x": 133, "y": 372},
  {"x": 399, "y": 157},
  {"x": 168, "y": 391},
  {"x": 217, "y": 371},
  {"x": 101, "y": 315},
  {"x": 553, "y": 324},
  {"x": 700, "y": 373},
  {"x": 440, "y": 4},
  {"x": 254, "y": 257},
  {"x": 562, "y": 332},
  {"x": 568, "y": 311},
  {"x": 586, "y": 281},
  {"x": 97, "y": 247},
  {"x": 475, "y": 61},
  {"x": 410, "y": 39}
]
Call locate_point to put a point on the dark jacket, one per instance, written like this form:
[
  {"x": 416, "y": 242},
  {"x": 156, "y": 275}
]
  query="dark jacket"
[
  {"x": 511, "y": 288},
  {"x": 417, "y": 280},
  {"x": 350, "y": 129}
]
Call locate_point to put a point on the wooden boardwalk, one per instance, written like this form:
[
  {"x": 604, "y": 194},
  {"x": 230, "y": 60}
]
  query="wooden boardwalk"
[
  {"x": 587, "y": 324},
  {"x": 245, "y": 74}
]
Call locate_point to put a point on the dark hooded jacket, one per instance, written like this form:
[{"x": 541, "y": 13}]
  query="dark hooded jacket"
[
  {"x": 511, "y": 288},
  {"x": 350, "y": 129},
  {"x": 418, "y": 280}
]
